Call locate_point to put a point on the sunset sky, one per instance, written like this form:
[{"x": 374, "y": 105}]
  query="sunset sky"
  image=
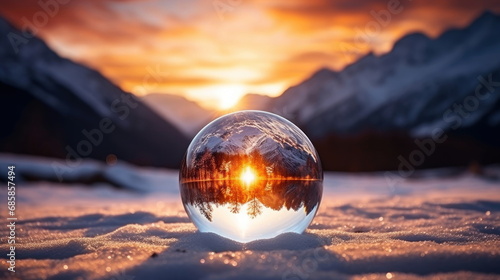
[{"x": 214, "y": 52}]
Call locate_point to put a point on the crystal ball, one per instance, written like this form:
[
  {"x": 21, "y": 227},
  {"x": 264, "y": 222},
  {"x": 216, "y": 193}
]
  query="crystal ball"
[{"x": 251, "y": 175}]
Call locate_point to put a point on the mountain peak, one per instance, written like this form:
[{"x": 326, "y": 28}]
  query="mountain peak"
[
  {"x": 6, "y": 26},
  {"x": 322, "y": 73},
  {"x": 487, "y": 16},
  {"x": 486, "y": 20},
  {"x": 15, "y": 43},
  {"x": 410, "y": 41}
]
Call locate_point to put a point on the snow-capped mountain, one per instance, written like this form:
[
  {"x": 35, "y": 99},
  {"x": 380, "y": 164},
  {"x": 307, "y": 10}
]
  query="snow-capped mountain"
[
  {"x": 250, "y": 135},
  {"x": 369, "y": 115},
  {"x": 54, "y": 107},
  {"x": 409, "y": 89},
  {"x": 361, "y": 118}
]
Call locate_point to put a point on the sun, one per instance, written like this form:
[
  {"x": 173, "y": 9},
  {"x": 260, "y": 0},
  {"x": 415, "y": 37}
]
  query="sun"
[
  {"x": 248, "y": 176},
  {"x": 228, "y": 95},
  {"x": 227, "y": 103}
]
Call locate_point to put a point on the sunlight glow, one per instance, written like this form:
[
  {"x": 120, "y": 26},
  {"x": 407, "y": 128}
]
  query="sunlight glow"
[
  {"x": 264, "y": 50},
  {"x": 222, "y": 97},
  {"x": 248, "y": 176},
  {"x": 227, "y": 103},
  {"x": 229, "y": 95},
  {"x": 243, "y": 221}
]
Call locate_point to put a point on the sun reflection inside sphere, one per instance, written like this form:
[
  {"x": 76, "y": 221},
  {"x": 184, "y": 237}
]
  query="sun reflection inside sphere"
[{"x": 248, "y": 176}]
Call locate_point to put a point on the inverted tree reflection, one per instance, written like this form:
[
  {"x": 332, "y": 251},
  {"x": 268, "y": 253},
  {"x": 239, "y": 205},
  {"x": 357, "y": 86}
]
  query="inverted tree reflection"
[
  {"x": 274, "y": 194},
  {"x": 208, "y": 165}
]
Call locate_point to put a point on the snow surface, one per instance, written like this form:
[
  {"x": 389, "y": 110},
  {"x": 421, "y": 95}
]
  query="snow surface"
[{"x": 442, "y": 224}]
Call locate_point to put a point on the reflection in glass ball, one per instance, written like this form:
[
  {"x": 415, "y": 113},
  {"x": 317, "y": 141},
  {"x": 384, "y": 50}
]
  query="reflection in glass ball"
[{"x": 251, "y": 175}]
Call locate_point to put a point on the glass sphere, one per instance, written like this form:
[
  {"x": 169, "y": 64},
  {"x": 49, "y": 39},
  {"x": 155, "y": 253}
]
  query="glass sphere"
[{"x": 251, "y": 175}]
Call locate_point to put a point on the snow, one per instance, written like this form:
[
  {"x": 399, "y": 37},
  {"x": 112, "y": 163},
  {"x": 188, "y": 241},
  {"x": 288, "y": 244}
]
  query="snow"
[
  {"x": 246, "y": 131},
  {"x": 441, "y": 224},
  {"x": 79, "y": 80}
]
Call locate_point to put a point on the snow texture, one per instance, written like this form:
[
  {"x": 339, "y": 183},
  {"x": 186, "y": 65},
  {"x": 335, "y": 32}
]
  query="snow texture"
[{"x": 442, "y": 224}]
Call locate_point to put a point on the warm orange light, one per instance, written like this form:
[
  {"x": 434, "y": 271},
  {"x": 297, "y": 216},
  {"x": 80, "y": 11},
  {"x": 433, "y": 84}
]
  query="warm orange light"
[
  {"x": 228, "y": 95},
  {"x": 227, "y": 103},
  {"x": 248, "y": 176}
]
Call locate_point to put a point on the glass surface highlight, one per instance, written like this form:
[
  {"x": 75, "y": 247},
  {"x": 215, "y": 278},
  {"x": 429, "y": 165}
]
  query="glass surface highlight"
[{"x": 251, "y": 175}]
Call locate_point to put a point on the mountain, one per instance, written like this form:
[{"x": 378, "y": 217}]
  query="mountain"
[
  {"x": 186, "y": 115},
  {"x": 189, "y": 117},
  {"x": 54, "y": 107},
  {"x": 369, "y": 114},
  {"x": 260, "y": 139},
  {"x": 372, "y": 115},
  {"x": 253, "y": 101},
  {"x": 408, "y": 88}
]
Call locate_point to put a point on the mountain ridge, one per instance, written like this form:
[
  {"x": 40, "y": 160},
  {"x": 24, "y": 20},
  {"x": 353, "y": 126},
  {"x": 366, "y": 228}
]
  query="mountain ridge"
[
  {"x": 367, "y": 78},
  {"x": 361, "y": 118},
  {"x": 57, "y": 108}
]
